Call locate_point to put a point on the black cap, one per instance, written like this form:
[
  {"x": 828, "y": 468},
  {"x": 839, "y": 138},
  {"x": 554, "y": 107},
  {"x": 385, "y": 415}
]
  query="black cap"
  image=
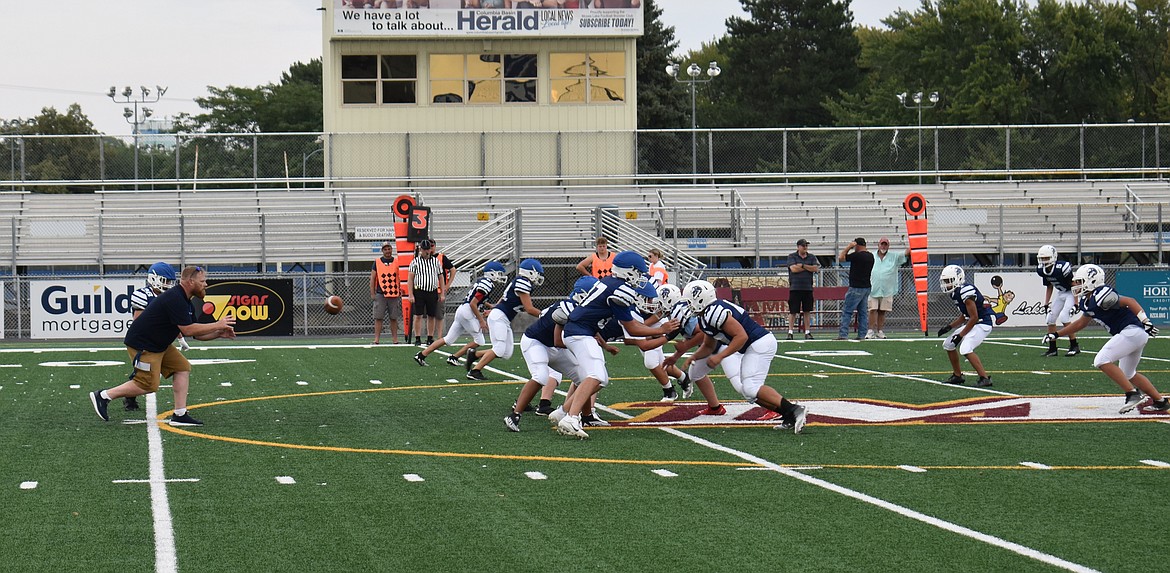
[
  {"x": 426, "y": 244},
  {"x": 802, "y": 242}
]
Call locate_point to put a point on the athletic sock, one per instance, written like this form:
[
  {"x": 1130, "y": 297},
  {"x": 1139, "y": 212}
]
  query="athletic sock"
[
  {"x": 180, "y": 411},
  {"x": 105, "y": 395}
]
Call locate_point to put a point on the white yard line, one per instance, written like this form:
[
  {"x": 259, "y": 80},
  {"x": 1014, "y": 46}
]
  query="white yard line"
[
  {"x": 164, "y": 531},
  {"x": 902, "y": 376}
]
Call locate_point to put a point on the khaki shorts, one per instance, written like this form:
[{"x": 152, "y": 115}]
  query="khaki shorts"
[
  {"x": 150, "y": 367},
  {"x": 884, "y": 303},
  {"x": 391, "y": 306}
]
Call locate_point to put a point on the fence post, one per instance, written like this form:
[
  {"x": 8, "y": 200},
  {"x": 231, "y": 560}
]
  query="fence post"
[
  {"x": 409, "y": 163},
  {"x": 1082, "y": 131},
  {"x": 757, "y": 209},
  {"x": 345, "y": 236},
  {"x": 673, "y": 224},
  {"x": 1159, "y": 235},
  {"x": 182, "y": 241},
  {"x": 560, "y": 156},
  {"x": 711, "y": 155},
  {"x": 101, "y": 243},
  {"x": 1007, "y": 155},
  {"x": 178, "y": 150},
  {"x": 937, "y": 162},
  {"x": 255, "y": 161},
  {"x": 1001, "y": 261},
  {"x": 1080, "y": 255},
  {"x": 263, "y": 243},
  {"x": 518, "y": 223},
  {"x": 13, "y": 219}
]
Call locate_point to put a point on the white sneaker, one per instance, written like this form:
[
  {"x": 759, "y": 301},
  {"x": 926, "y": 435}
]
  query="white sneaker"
[
  {"x": 881, "y": 335},
  {"x": 555, "y": 417},
  {"x": 869, "y": 335},
  {"x": 571, "y": 426}
]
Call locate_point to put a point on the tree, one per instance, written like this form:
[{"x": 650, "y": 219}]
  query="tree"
[
  {"x": 661, "y": 105},
  {"x": 293, "y": 105},
  {"x": 788, "y": 60}
]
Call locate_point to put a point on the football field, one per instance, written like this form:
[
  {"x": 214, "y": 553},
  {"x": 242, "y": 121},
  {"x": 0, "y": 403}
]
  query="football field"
[{"x": 334, "y": 455}]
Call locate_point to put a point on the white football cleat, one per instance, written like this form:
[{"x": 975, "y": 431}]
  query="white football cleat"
[
  {"x": 571, "y": 426},
  {"x": 555, "y": 417}
]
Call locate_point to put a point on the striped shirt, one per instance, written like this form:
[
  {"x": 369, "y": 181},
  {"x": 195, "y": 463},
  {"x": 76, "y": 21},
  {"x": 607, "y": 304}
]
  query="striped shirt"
[
  {"x": 141, "y": 298},
  {"x": 425, "y": 273}
]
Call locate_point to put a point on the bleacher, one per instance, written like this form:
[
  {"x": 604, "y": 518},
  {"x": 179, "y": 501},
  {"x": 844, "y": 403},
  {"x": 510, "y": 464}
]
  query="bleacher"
[{"x": 311, "y": 225}]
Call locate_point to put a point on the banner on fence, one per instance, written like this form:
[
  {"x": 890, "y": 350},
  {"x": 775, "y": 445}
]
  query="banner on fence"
[
  {"x": 261, "y": 306},
  {"x": 1152, "y": 291},
  {"x": 459, "y": 18},
  {"x": 81, "y": 308},
  {"x": 1016, "y": 297}
]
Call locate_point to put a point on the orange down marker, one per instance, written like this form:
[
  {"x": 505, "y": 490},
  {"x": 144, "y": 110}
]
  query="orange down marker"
[{"x": 915, "y": 206}]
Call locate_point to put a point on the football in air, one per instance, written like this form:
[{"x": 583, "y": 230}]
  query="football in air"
[{"x": 333, "y": 304}]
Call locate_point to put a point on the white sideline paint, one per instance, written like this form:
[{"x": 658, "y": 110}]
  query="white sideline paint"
[
  {"x": 452, "y": 381},
  {"x": 285, "y": 480},
  {"x": 165, "y": 559},
  {"x": 1155, "y": 463},
  {"x": 1035, "y": 465},
  {"x": 665, "y": 473},
  {"x": 28, "y": 485},
  {"x": 888, "y": 375},
  {"x": 913, "y": 469},
  {"x": 535, "y": 475},
  {"x": 375, "y": 381},
  {"x": 412, "y": 477},
  {"x": 173, "y": 480}
]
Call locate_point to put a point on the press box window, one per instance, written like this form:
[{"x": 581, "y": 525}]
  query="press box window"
[
  {"x": 588, "y": 78},
  {"x": 378, "y": 79},
  {"x": 483, "y": 78}
]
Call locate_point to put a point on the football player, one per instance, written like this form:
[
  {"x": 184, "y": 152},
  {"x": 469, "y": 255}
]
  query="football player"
[
  {"x": 680, "y": 310},
  {"x": 975, "y": 319},
  {"x": 159, "y": 277},
  {"x": 517, "y": 297},
  {"x": 469, "y": 318},
  {"x": 1129, "y": 328},
  {"x": 548, "y": 361},
  {"x": 612, "y": 297},
  {"x": 1058, "y": 296},
  {"x": 649, "y": 311},
  {"x": 746, "y": 352}
]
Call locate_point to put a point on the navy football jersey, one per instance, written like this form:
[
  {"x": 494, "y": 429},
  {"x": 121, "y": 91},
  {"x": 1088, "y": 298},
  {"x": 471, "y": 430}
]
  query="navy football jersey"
[
  {"x": 510, "y": 304},
  {"x": 960, "y": 295},
  {"x": 713, "y": 319},
  {"x": 1102, "y": 306},
  {"x": 158, "y": 325},
  {"x": 142, "y": 297},
  {"x": 609, "y": 298},
  {"x": 479, "y": 291},
  {"x": 1060, "y": 278},
  {"x": 545, "y": 326}
]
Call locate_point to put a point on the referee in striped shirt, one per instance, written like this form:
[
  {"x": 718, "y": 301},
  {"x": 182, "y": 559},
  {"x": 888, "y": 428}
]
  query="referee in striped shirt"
[{"x": 425, "y": 290}]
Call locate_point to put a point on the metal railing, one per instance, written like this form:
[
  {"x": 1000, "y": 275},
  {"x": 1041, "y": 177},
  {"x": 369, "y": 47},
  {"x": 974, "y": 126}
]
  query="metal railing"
[{"x": 290, "y": 160}]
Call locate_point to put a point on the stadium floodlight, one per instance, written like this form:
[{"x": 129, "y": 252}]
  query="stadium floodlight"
[
  {"x": 132, "y": 116},
  {"x": 695, "y": 72},
  {"x": 916, "y": 102}
]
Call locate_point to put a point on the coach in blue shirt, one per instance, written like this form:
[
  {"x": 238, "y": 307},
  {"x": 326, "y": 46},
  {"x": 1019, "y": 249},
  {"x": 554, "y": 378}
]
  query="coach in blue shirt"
[{"x": 148, "y": 341}]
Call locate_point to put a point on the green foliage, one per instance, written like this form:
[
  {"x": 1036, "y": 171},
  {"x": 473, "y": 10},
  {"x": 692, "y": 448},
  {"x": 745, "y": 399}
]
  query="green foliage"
[
  {"x": 661, "y": 104},
  {"x": 788, "y": 60},
  {"x": 293, "y": 105}
]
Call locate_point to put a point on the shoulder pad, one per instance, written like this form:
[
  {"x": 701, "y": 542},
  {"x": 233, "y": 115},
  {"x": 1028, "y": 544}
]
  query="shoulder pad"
[{"x": 1106, "y": 298}]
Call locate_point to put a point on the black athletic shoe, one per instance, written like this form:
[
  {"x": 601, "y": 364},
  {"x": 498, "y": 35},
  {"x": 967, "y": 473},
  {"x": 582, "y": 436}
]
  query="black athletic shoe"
[
  {"x": 512, "y": 421},
  {"x": 544, "y": 409},
  {"x": 418, "y": 341},
  {"x": 453, "y": 360},
  {"x": 669, "y": 394},
  {"x": 184, "y": 420},
  {"x": 430, "y": 340},
  {"x": 1132, "y": 399},
  {"x": 1073, "y": 350},
  {"x": 955, "y": 380},
  {"x": 1159, "y": 406},
  {"x": 1051, "y": 351},
  {"x": 100, "y": 405},
  {"x": 684, "y": 384},
  {"x": 808, "y": 336},
  {"x": 983, "y": 382},
  {"x": 789, "y": 337},
  {"x": 131, "y": 404},
  {"x": 418, "y": 357},
  {"x": 475, "y": 375}
]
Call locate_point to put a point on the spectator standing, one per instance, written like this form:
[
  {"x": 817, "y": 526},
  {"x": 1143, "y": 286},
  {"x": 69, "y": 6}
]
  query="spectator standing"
[
  {"x": 857, "y": 297},
  {"x": 884, "y": 285},
  {"x": 658, "y": 272},
  {"x": 598, "y": 264},
  {"x": 801, "y": 267},
  {"x": 386, "y": 292}
]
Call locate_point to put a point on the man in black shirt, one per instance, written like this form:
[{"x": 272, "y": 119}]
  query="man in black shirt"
[
  {"x": 148, "y": 342},
  {"x": 857, "y": 297}
]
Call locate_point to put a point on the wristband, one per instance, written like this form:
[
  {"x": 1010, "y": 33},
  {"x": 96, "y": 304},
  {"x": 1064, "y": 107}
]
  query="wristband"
[{"x": 1142, "y": 316}]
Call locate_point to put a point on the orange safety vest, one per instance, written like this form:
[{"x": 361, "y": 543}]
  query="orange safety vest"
[
  {"x": 388, "y": 278},
  {"x": 659, "y": 270},
  {"x": 602, "y": 267}
]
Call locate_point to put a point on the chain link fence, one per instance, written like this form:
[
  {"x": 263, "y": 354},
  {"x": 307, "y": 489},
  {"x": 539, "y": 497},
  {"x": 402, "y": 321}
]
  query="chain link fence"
[{"x": 903, "y": 154}]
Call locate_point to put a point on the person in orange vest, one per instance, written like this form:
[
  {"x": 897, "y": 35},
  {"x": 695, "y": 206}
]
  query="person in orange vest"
[
  {"x": 599, "y": 263},
  {"x": 386, "y": 293},
  {"x": 658, "y": 272}
]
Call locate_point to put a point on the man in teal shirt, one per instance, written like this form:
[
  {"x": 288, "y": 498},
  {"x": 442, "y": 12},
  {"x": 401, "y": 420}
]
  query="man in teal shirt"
[{"x": 884, "y": 281}]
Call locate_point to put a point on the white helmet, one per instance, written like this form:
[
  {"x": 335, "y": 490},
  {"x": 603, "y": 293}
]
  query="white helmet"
[
  {"x": 1086, "y": 279},
  {"x": 669, "y": 295},
  {"x": 1046, "y": 258},
  {"x": 699, "y": 294},
  {"x": 952, "y": 278},
  {"x": 648, "y": 305}
]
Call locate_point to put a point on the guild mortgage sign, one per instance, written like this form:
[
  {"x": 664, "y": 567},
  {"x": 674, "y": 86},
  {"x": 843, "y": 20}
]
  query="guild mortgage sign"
[
  {"x": 446, "y": 18},
  {"x": 81, "y": 308}
]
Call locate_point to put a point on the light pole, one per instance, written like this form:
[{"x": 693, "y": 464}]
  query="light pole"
[
  {"x": 132, "y": 116},
  {"x": 916, "y": 101},
  {"x": 694, "y": 71},
  {"x": 305, "y": 160}
]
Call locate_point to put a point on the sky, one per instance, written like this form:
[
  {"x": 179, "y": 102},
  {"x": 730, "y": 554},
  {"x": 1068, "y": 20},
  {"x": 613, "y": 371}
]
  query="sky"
[{"x": 56, "y": 54}]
